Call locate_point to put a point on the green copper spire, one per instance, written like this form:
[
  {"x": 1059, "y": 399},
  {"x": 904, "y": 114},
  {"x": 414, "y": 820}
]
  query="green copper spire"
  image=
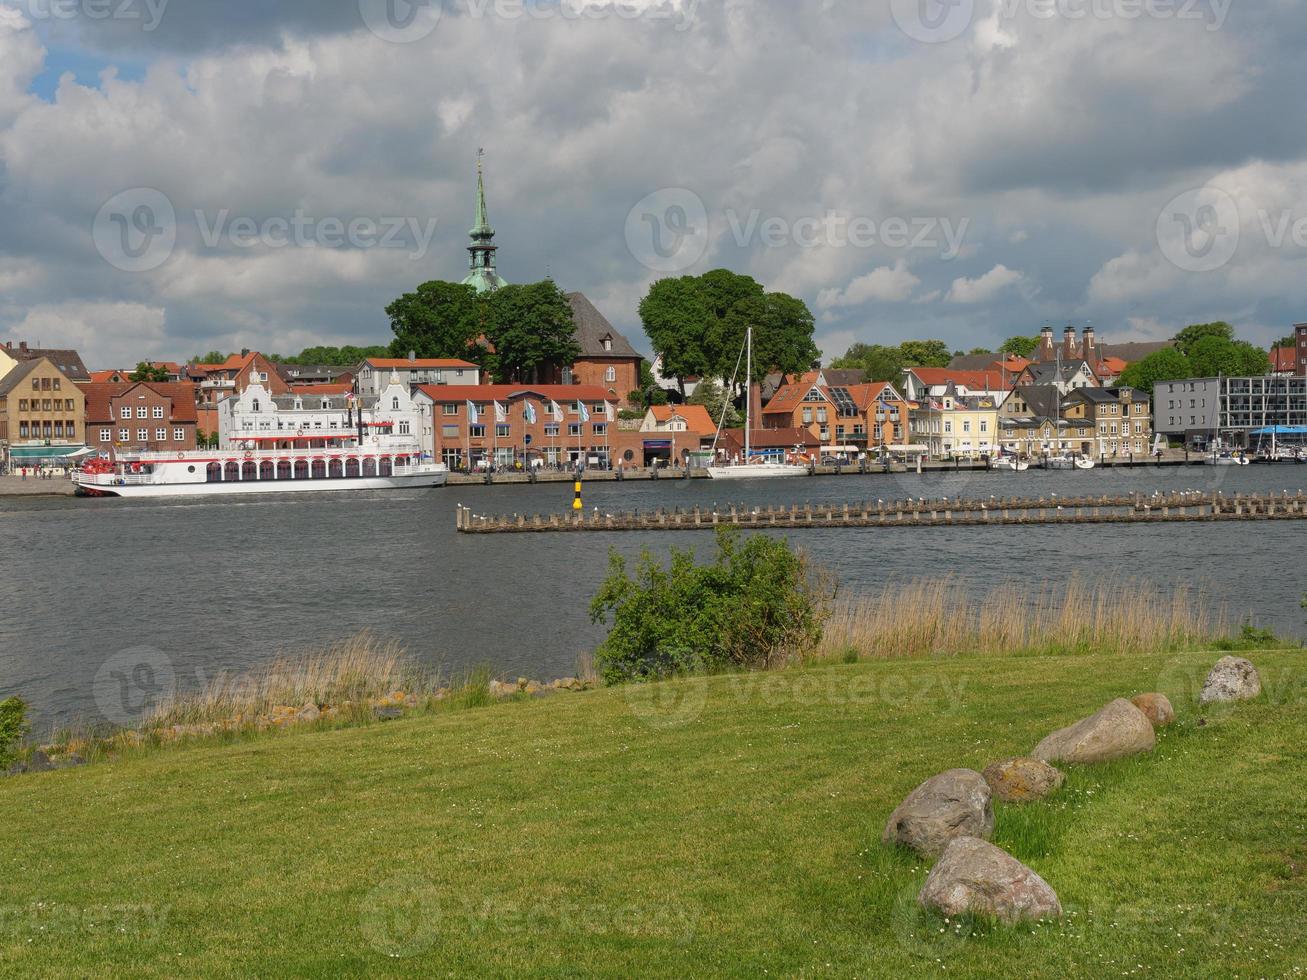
[{"x": 483, "y": 276}]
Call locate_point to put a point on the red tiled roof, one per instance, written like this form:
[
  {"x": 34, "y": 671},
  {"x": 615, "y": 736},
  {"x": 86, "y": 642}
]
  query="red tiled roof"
[
  {"x": 404, "y": 362},
  {"x": 1284, "y": 359},
  {"x": 107, "y": 377},
  {"x": 790, "y": 397},
  {"x": 486, "y": 393},
  {"x": 696, "y": 417},
  {"x": 975, "y": 380},
  {"x": 99, "y": 397}
]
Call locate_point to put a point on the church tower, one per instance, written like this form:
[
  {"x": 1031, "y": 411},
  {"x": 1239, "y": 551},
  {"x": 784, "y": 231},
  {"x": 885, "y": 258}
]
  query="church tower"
[{"x": 483, "y": 276}]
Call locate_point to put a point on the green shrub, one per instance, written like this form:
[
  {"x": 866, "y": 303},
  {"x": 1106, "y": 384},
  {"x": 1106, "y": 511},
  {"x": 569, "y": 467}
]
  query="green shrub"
[
  {"x": 755, "y": 605},
  {"x": 13, "y": 726}
]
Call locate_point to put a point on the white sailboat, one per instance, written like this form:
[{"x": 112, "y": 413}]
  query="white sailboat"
[{"x": 747, "y": 468}]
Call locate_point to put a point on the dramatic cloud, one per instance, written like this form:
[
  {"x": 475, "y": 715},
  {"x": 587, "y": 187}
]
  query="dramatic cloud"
[{"x": 294, "y": 161}]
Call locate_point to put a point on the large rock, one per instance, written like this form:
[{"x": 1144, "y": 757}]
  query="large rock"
[
  {"x": 1022, "y": 780},
  {"x": 1232, "y": 679},
  {"x": 957, "y": 803},
  {"x": 1118, "y": 730},
  {"x": 973, "y": 876},
  {"x": 1156, "y": 707}
]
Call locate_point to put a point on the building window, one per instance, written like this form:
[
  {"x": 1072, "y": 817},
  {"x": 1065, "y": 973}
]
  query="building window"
[
  {"x": 158, "y": 411},
  {"x": 476, "y": 431},
  {"x": 403, "y": 428},
  {"x": 126, "y": 412},
  {"x": 143, "y": 435},
  {"x": 394, "y": 403},
  {"x": 551, "y": 430},
  {"x": 106, "y": 435},
  {"x": 56, "y": 383},
  {"x": 501, "y": 431},
  {"x": 142, "y": 412},
  {"x": 610, "y": 375},
  {"x": 124, "y": 435},
  {"x": 449, "y": 409},
  {"x": 573, "y": 429},
  {"x": 160, "y": 435},
  {"x": 601, "y": 428},
  {"x": 449, "y": 432}
]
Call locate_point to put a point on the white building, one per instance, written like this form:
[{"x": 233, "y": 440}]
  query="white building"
[
  {"x": 377, "y": 372},
  {"x": 322, "y": 415}
]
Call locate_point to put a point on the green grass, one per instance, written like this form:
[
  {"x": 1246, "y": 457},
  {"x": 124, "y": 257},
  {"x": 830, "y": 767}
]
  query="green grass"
[{"x": 710, "y": 826}]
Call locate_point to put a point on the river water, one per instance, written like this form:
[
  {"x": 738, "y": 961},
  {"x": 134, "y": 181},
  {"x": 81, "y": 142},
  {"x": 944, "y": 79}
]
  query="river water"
[{"x": 227, "y": 584}]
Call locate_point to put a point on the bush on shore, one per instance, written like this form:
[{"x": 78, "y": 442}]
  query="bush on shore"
[
  {"x": 757, "y": 605},
  {"x": 13, "y": 728}
]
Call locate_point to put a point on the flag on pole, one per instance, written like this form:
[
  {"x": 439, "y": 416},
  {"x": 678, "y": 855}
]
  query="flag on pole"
[
  {"x": 585, "y": 414},
  {"x": 556, "y": 410},
  {"x": 501, "y": 413},
  {"x": 473, "y": 416},
  {"x": 529, "y": 413},
  {"x": 608, "y": 410}
]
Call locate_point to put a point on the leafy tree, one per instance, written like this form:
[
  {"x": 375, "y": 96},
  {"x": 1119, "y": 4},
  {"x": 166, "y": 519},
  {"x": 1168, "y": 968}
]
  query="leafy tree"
[
  {"x": 879, "y": 362},
  {"x": 1020, "y": 346},
  {"x": 650, "y": 392},
  {"x": 925, "y": 353},
  {"x": 531, "y": 327},
  {"x": 148, "y": 372},
  {"x": 440, "y": 319},
  {"x": 1289, "y": 341},
  {"x": 346, "y": 356},
  {"x": 980, "y": 350},
  {"x": 757, "y": 605},
  {"x": 13, "y": 727},
  {"x": 1164, "y": 365},
  {"x": 675, "y": 315},
  {"x": 213, "y": 357},
  {"x": 1192, "y": 334},
  {"x": 713, "y": 397},
  {"x": 782, "y": 336},
  {"x": 1211, "y": 356}
]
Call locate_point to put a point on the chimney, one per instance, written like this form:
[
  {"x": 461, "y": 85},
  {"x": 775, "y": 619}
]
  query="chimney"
[
  {"x": 1045, "y": 350},
  {"x": 245, "y": 352},
  {"x": 22, "y": 345},
  {"x": 412, "y": 355},
  {"x": 1090, "y": 348},
  {"x": 1070, "y": 350}
]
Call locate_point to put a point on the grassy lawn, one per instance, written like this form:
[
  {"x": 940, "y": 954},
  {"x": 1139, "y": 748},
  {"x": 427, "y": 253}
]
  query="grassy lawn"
[{"x": 727, "y": 826}]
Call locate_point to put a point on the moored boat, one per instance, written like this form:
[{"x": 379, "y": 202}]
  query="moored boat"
[{"x": 394, "y": 466}]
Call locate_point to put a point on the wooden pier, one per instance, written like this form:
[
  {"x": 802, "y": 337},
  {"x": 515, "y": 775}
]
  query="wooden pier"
[{"x": 1177, "y": 507}]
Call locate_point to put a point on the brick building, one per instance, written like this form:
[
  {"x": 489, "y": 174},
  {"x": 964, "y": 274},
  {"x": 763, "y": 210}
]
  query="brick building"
[
  {"x": 158, "y": 416},
  {"x": 845, "y": 418},
  {"x": 522, "y": 425}
]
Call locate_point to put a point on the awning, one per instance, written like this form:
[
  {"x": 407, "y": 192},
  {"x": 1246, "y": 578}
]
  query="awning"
[
  {"x": 47, "y": 453},
  {"x": 1281, "y": 430}
]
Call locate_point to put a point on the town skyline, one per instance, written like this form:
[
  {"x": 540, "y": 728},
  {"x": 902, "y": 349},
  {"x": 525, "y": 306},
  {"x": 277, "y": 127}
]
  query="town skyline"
[{"x": 1048, "y": 215}]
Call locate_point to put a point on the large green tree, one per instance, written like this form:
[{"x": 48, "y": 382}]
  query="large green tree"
[
  {"x": 879, "y": 362},
  {"x": 530, "y": 328},
  {"x": 1192, "y": 334},
  {"x": 1212, "y": 356},
  {"x": 697, "y": 326},
  {"x": 1165, "y": 365},
  {"x": 148, "y": 372},
  {"x": 439, "y": 319},
  {"x": 1020, "y": 346},
  {"x": 925, "y": 353},
  {"x": 713, "y": 397},
  {"x": 345, "y": 356}
]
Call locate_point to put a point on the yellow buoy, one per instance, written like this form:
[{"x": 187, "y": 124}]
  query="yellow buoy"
[{"x": 576, "y": 504}]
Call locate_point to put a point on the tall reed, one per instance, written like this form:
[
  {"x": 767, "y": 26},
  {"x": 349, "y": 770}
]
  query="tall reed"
[{"x": 945, "y": 616}]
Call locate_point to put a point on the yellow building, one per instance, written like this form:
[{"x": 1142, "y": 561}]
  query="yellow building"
[
  {"x": 42, "y": 415},
  {"x": 956, "y": 427},
  {"x": 1110, "y": 421}
]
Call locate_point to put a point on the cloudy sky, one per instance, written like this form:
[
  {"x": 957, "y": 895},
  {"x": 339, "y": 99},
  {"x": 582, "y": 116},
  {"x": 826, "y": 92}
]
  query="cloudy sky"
[{"x": 181, "y": 175}]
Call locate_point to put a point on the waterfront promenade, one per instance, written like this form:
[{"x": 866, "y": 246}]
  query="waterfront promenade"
[{"x": 16, "y": 486}]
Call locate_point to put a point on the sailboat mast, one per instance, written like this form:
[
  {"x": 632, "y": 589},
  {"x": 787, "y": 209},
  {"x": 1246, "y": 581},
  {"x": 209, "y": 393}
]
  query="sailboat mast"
[{"x": 748, "y": 389}]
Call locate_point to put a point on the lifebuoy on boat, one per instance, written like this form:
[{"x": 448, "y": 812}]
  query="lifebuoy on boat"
[{"x": 248, "y": 454}]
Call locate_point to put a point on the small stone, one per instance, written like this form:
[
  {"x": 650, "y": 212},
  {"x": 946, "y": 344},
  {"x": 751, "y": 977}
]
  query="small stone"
[
  {"x": 1022, "y": 780},
  {"x": 973, "y": 876},
  {"x": 1115, "y": 732},
  {"x": 953, "y": 804},
  {"x": 1156, "y": 708},
  {"x": 1232, "y": 679},
  {"x": 309, "y": 712}
]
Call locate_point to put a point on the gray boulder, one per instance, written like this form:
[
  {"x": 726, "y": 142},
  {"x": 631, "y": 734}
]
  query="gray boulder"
[
  {"x": 1232, "y": 679},
  {"x": 973, "y": 876},
  {"x": 1022, "y": 780},
  {"x": 957, "y": 803},
  {"x": 1118, "y": 730}
]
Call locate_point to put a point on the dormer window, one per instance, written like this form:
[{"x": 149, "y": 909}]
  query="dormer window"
[
  {"x": 298, "y": 404},
  {"x": 608, "y": 343}
]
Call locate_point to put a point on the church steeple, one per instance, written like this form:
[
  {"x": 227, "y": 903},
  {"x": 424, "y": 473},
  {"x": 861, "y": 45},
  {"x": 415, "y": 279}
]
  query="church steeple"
[{"x": 482, "y": 248}]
